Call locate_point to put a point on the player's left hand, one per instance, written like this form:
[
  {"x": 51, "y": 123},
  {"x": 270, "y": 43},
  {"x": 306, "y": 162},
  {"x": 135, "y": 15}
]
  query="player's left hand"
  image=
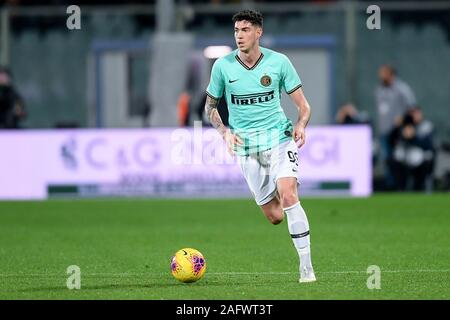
[{"x": 299, "y": 135}]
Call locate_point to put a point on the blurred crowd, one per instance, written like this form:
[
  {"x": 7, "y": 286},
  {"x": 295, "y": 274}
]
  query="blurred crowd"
[
  {"x": 412, "y": 152},
  {"x": 12, "y": 108},
  {"x": 405, "y": 147},
  {"x": 406, "y": 144}
]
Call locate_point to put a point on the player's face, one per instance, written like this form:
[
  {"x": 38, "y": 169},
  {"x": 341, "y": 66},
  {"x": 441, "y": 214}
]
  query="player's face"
[{"x": 246, "y": 35}]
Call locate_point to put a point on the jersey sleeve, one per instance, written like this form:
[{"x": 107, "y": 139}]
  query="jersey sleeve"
[
  {"x": 216, "y": 83},
  {"x": 290, "y": 79}
]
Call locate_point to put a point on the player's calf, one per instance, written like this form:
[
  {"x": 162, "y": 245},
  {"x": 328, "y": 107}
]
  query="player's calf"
[
  {"x": 273, "y": 211},
  {"x": 276, "y": 219}
]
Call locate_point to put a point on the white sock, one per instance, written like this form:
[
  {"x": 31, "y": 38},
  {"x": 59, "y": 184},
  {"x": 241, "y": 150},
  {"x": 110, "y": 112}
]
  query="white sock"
[{"x": 299, "y": 229}]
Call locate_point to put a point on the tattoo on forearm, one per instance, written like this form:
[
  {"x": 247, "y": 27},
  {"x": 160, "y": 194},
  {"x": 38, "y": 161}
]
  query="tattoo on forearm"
[{"x": 213, "y": 114}]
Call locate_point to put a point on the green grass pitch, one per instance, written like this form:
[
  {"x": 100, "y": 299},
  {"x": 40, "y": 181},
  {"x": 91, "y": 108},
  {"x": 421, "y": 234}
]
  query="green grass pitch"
[{"x": 123, "y": 248}]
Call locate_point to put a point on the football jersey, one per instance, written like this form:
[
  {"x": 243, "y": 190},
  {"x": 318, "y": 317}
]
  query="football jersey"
[{"x": 253, "y": 97}]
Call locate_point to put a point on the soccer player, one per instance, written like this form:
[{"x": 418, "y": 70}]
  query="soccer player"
[{"x": 259, "y": 133}]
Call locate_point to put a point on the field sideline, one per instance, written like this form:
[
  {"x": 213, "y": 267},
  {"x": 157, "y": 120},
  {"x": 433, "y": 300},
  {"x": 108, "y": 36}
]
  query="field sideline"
[{"x": 123, "y": 248}]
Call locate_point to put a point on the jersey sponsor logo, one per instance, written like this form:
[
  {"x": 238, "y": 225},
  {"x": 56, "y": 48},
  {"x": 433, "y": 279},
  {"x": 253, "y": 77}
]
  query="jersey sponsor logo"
[
  {"x": 247, "y": 99},
  {"x": 266, "y": 80},
  {"x": 231, "y": 81}
]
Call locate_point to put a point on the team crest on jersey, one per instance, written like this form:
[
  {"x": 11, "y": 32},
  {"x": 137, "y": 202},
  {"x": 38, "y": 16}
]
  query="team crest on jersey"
[{"x": 266, "y": 80}]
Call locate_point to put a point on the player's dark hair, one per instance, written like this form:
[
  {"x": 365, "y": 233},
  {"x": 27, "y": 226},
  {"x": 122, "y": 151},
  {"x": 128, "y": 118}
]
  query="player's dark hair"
[{"x": 254, "y": 17}]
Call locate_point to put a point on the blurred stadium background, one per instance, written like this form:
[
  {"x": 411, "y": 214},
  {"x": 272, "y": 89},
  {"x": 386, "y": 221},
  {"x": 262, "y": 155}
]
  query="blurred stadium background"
[
  {"x": 114, "y": 72},
  {"x": 97, "y": 112}
]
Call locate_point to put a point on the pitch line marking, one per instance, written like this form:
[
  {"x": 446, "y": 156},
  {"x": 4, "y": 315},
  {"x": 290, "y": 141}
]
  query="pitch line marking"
[{"x": 217, "y": 273}]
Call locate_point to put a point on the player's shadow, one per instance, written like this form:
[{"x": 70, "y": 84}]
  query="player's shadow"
[
  {"x": 209, "y": 283},
  {"x": 96, "y": 287}
]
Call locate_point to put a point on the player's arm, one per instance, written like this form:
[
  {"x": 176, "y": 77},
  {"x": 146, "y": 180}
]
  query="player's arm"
[
  {"x": 214, "y": 117},
  {"x": 304, "y": 114}
]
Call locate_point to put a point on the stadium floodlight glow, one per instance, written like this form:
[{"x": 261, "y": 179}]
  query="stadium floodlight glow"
[{"x": 214, "y": 52}]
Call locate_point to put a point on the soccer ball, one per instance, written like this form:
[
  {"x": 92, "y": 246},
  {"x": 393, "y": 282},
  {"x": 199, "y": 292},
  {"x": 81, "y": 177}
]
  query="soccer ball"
[{"x": 188, "y": 265}]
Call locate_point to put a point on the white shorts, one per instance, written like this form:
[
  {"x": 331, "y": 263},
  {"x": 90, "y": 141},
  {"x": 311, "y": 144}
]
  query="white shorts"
[{"x": 262, "y": 170}]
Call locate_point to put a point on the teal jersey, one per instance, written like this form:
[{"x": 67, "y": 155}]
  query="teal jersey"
[{"x": 253, "y": 96}]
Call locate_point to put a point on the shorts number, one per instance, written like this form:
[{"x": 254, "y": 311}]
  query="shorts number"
[{"x": 293, "y": 157}]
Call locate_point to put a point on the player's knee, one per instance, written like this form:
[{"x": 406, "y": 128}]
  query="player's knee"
[
  {"x": 276, "y": 219},
  {"x": 288, "y": 199}
]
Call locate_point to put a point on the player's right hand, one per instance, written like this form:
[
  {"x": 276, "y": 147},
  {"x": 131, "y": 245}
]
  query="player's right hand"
[
  {"x": 232, "y": 140},
  {"x": 299, "y": 135}
]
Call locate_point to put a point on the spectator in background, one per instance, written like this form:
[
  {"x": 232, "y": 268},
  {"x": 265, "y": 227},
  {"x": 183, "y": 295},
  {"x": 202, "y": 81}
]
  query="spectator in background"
[
  {"x": 11, "y": 105},
  {"x": 348, "y": 114},
  {"x": 413, "y": 152},
  {"x": 183, "y": 108},
  {"x": 393, "y": 98}
]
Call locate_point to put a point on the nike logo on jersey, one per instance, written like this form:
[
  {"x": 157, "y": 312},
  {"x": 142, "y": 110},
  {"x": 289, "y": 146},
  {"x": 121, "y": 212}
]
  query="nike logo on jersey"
[{"x": 231, "y": 81}]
